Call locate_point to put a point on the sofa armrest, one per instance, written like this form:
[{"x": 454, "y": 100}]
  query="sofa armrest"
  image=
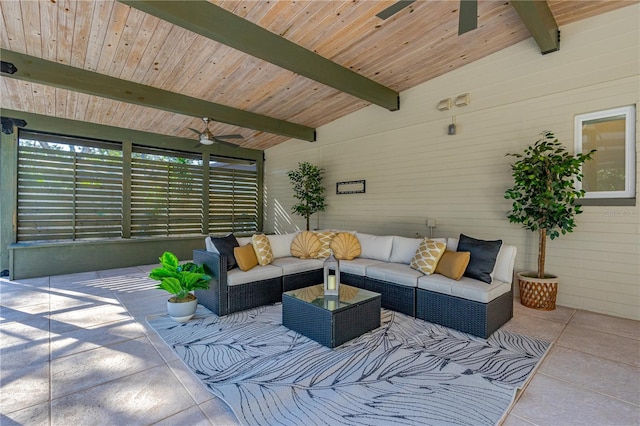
[{"x": 215, "y": 298}]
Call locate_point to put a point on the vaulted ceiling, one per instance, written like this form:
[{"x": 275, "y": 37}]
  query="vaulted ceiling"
[{"x": 109, "y": 63}]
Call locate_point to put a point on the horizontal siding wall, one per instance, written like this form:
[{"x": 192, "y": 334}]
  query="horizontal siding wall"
[{"x": 414, "y": 170}]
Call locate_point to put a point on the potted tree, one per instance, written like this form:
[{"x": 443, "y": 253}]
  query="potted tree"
[
  {"x": 308, "y": 189},
  {"x": 180, "y": 280},
  {"x": 544, "y": 200}
]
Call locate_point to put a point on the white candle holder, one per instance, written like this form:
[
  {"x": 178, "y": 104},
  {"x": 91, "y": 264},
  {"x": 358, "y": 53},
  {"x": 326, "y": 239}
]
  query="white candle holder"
[{"x": 331, "y": 276}]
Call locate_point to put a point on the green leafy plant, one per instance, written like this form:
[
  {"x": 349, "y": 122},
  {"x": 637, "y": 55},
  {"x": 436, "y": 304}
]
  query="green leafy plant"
[
  {"x": 308, "y": 189},
  {"x": 178, "y": 279},
  {"x": 544, "y": 192}
]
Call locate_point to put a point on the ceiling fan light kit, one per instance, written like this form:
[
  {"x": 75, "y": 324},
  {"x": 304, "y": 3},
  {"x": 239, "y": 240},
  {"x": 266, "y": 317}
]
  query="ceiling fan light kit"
[
  {"x": 205, "y": 137},
  {"x": 204, "y": 140}
]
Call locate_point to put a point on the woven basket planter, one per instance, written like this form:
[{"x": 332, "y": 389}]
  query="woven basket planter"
[{"x": 538, "y": 293}]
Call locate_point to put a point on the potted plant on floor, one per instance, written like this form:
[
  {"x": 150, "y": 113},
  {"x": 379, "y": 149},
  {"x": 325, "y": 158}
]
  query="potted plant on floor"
[
  {"x": 544, "y": 200},
  {"x": 307, "y": 187},
  {"x": 180, "y": 280}
]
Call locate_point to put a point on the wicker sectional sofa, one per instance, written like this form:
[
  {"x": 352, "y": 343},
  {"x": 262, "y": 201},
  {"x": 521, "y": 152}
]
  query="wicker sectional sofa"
[{"x": 467, "y": 304}]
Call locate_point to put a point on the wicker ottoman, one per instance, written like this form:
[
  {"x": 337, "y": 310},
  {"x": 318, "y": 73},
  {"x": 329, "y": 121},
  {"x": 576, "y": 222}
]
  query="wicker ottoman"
[{"x": 331, "y": 320}]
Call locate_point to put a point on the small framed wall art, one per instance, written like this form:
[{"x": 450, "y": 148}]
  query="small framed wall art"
[{"x": 351, "y": 187}]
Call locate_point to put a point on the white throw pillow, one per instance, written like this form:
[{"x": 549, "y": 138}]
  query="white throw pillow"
[
  {"x": 281, "y": 244},
  {"x": 243, "y": 241},
  {"x": 375, "y": 247},
  {"x": 403, "y": 249}
]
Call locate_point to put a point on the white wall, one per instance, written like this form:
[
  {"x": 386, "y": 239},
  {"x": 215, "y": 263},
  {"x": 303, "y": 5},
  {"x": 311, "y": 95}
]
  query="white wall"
[{"x": 414, "y": 171}]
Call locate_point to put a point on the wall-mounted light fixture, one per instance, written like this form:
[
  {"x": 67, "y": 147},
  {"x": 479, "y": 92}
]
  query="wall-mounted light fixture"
[
  {"x": 444, "y": 105},
  {"x": 431, "y": 223},
  {"x": 451, "y": 130},
  {"x": 462, "y": 100}
]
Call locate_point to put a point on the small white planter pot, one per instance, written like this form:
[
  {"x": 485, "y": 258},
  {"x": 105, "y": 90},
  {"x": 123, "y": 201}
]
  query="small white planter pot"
[{"x": 182, "y": 312}]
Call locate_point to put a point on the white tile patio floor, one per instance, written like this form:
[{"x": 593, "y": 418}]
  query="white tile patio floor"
[{"x": 76, "y": 350}]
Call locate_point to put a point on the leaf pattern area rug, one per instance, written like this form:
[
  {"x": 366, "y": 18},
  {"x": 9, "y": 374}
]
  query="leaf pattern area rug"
[{"x": 407, "y": 372}]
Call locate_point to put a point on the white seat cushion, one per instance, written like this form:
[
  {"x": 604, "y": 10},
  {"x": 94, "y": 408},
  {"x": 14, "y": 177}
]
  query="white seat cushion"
[
  {"x": 357, "y": 266},
  {"x": 397, "y": 273},
  {"x": 466, "y": 288},
  {"x": 237, "y": 276},
  {"x": 293, "y": 265}
]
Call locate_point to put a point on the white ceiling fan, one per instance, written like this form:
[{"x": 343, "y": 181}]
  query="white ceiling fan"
[{"x": 207, "y": 138}]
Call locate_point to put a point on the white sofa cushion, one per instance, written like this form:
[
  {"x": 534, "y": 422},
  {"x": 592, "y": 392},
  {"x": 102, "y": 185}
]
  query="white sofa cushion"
[
  {"x": 466, "y": 288},
  {"x": 294, "y": 265},
  {"x": 357, "y": 266},
  {"x": 243, "y": 241},
  {"x": 505, "y": 262},
  {"x": 375, "y": 247},
  {"x": 403, "y": 249},
  {"x": 397, "y": 273},
  {"x": 237, "y": 276},
  {"x": 281, "y": 244}
]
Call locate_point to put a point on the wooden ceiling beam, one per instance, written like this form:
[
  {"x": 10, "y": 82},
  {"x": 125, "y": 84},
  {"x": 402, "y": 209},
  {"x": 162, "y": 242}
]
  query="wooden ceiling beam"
[
  {"x": 224, "y": 27},
  {"x": 538, "y": 18},
  {"x": 50, "y": 73}
]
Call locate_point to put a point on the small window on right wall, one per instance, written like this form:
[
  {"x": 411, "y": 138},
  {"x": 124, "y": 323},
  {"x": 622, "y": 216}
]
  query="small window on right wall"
[{"x": 610, "y": 177}]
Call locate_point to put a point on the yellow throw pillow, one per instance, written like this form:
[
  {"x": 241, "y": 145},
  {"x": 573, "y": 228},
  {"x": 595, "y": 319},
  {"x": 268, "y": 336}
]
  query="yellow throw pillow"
[
  {"x": 262, "y": 247},
  {"x": 325, "y": 238},
  {"x": 305, "y": 245},
  {"x": 452, "y": 264},
  {"x": 345, "y": 246},
  {"x": 427, "y": 256},
  {"x": 245, "y": 257}
]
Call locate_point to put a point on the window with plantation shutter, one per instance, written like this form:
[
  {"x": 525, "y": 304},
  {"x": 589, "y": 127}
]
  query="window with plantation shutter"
[
  {"x": 166, "y": 193},
  {"x": 78, "y": 189},
  {"x": 233, "y": 197},
  {"x": 68, "y": 188}
]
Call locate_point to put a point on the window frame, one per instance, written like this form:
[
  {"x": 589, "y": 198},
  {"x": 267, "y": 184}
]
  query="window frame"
[{"x": 629, "y": 193}]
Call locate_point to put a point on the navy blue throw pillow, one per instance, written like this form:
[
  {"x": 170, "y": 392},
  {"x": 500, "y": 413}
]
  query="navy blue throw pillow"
[
  {"x": 225, "y": 246},
  {"x": 483, "y": 257}
]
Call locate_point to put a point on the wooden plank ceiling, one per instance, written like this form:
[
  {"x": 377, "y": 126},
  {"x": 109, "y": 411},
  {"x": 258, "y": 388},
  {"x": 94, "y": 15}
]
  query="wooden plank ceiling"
[{"x": 107, "y": 37}]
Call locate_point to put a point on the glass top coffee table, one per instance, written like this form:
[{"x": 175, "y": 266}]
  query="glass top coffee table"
[{"x": 331, "y": 320}]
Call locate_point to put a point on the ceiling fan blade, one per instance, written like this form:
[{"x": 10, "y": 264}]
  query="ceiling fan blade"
[
  {"x": 195, "y": 131},
  {"x": 394, "y": 8},
  {"x": 468, "y": 17},
  {"x": 230, "y": 136},
  {"x": 220, "y": 141}
]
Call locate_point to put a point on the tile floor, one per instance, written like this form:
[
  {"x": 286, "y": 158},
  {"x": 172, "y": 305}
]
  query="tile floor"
[{"x": 76, "y": 350}]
